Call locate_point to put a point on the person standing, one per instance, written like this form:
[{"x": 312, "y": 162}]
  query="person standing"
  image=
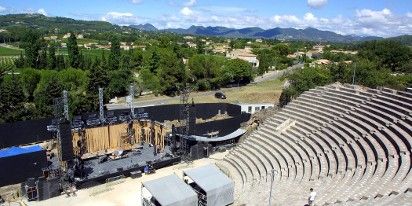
[{"x": 312, "y": 197}]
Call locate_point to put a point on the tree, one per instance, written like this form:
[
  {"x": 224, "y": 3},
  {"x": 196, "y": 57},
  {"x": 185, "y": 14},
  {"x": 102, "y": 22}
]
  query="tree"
[
  {"x": 32, "y": 45},
  {"x": 200, "y": 46},
  {"x": 20, "y": 62},
  {"x": 48, "y": 89},
  {"x": 126, "y": 61},
  {"x": 98, "y": 77},
  {"x": 149, "y": 81},
  {"x": 42, "y": 60},
  {"x": 136, "y": 59},
  {"x": 266, "y": 60},
  {"x": 171, "y": 72},
  {"x": 29, "y": 79},
  {"x": 73, "y": 80},
  {"x": 303, "y": 80},
  {"x": 281, "y": 49},
  {"x": 119, "y": 82},
  {"x": 236, "y": 71},
  {"x": 339, "y": 72},
  {"x": 115, "y": 54},
  {"x": 51, "y": 60},
  {"x": 388, "y": 54},
  {"x": 154, "y": 62},
  {"x": 205, "y": 70},
  {"x": 73, "y": 51},
  {"x": 12, "y": 99},
  {"x": 60, "y": 62}
]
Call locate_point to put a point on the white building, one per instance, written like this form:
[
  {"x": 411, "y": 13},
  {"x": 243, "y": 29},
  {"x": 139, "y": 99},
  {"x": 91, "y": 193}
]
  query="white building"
[
  {"x": 252, "y": 108},
  {"x": 244, "y": 54}
]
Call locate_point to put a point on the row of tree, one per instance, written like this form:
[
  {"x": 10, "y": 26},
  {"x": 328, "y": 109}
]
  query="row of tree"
[
  {"x": 42, "y": 74},
  {"x": 274, "y": 58}
]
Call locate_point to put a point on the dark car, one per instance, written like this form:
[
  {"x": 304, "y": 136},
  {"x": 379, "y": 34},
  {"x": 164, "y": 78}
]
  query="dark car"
[{"x": 220, "y": 95}]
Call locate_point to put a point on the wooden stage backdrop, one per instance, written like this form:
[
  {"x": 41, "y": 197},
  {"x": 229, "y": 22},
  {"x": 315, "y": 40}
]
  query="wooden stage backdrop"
[{"x": 118, "y": 137}]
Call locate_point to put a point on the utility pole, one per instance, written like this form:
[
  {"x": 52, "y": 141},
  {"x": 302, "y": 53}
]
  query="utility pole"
[{"x": 354, "y": 72}]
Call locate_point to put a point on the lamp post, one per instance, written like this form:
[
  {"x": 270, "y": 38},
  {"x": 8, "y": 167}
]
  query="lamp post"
[{"x": 273, "y": 172}]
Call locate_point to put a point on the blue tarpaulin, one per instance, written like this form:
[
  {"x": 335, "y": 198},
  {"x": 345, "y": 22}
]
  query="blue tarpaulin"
[{"x": 14, "y": 151}]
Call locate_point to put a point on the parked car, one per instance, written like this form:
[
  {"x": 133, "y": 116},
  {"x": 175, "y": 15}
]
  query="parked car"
[{"x": 220, "y": 95}]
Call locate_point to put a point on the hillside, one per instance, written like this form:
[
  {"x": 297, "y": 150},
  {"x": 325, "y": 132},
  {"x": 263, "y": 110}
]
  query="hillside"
[
  {"x": 404, "y": 39},
  {"x": 144, "y": 27},
  {"x": 42, "y": 22}
]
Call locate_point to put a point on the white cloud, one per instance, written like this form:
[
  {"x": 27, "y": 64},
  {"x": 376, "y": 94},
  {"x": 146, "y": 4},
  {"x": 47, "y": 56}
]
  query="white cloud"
[
  {"x": 136, "y": 1},
  {"x": 191, "y": 3},
  {"x": 372, "y": 17},
  {"x": 42, "y": 11},
  {"x": 119, "y": 14},
  {"x": 122, "y": 18},
  {"x": 309, "y": 17},
  {"x": 224, "y": 9},
  {"x": 382, "y": 22},
  {"x": 409, "y": 14},
  {"x": 186, "y": 11},
  {"x": 317, "y": 3},
  {"x": 285, "y": 19},
  {"x": 2, "y": 9}
]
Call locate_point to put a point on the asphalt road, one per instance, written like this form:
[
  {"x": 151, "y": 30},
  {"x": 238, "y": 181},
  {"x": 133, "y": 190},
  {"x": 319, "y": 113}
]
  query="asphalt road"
[
  {"x": 164, "y": 100},
  {"x": 276, "y": 74}
]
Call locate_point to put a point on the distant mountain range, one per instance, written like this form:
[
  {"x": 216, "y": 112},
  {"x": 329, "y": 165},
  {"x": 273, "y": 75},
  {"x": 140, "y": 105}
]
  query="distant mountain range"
[
  {"x": 63, "y": 24},
  {"x": 309, "y": 34}
]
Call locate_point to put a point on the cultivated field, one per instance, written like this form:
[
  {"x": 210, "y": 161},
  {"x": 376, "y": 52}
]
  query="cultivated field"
[{"x": 8, "y": 51}]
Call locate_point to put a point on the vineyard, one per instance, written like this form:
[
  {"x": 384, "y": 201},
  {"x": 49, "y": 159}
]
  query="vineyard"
[{"x": 6, "y": 64}]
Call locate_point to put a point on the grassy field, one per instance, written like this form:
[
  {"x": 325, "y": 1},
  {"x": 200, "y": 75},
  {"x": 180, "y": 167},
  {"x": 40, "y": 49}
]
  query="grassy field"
[
  {"x": 4, "y": 51},
  {"x": 268, "y": 92},
  {"x": 263, "y": 92},
  {"x": 95, "y": 52}
]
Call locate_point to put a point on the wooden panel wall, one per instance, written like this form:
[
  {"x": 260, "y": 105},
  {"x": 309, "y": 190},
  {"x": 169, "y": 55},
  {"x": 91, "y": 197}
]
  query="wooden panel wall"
[
  {"x": 137, "y": 127},
  {"x": 97, "y": 139},
  {"x": 116, "y": 132},
  {"x": 114, "y": 137}
]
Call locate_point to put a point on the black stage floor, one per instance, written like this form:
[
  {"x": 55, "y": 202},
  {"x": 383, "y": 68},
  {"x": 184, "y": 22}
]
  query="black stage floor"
[{"x": 133, "y": 160}]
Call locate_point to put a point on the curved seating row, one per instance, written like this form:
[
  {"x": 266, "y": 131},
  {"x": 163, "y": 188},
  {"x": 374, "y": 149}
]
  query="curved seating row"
[{"x": 352, "y": 144}]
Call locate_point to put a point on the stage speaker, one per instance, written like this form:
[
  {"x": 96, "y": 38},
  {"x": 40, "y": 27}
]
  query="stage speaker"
[
  {"x": 48, "y": 188},
  {"x": 65, "y": 141}
]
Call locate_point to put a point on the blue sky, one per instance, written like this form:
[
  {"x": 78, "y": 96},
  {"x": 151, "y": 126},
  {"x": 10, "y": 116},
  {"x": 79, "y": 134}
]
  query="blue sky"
[{"x": 360, "y": 17}]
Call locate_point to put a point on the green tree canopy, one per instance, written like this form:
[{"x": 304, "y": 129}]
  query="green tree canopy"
[
  {"x": 115, "y": 54},
  {"x": 12, "y": 99},
  {"x": 51, "y": 60},
  {"x": 388, "y": 54},
  {"x": 73, "y": 51},
  {"x": 236, "y": 71},
  {"x": 29, "y": 79},
  {"x": 303, "y": 80},
  {"x": 47, "y": 90},
  {"x": 32, "y": 44}
]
